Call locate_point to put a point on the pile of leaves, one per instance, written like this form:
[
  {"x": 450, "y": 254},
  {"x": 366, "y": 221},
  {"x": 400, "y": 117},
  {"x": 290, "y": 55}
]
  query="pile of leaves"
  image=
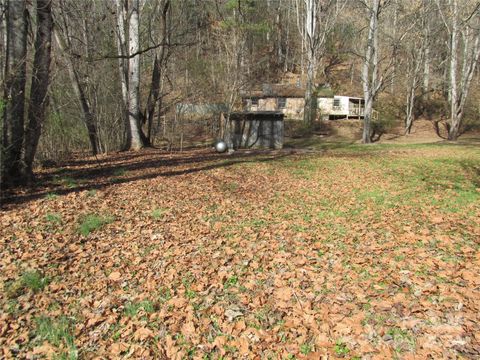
[{"x": 350, "y": 253}]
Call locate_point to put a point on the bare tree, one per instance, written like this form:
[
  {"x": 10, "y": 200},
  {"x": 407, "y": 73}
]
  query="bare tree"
[
  {"x": 370, "y": 70},
  {"x": 121, "y": 17},
  {"x": 129, "y": 61},
  {"x": 426, "y": 45},
  {"x": 378, "y": 66},
  {"x": 161, "y": 56},
  {"x": 78, "y": 88},
  {"x": 414, "y": 69},
  {"x": 40, "y": 82},
  {"x": 15, "y": 78},
  {"x": 463, "y": 25},
  {"x": 319, "y": 19},
  {"x": 3, "y": 35},
  {"x": 135, "y": 142},
  {"x": 417, "y": 56}
]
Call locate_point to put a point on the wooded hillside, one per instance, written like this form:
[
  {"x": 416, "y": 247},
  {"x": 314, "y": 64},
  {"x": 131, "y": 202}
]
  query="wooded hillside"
[{"x": 103, "y": 76}]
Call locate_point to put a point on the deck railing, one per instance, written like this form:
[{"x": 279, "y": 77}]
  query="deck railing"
[{"x": 357, "y": 111}]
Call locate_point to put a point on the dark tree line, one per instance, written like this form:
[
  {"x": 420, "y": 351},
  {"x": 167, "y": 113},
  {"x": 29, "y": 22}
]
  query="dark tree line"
[{"x": 20, "y": 139}]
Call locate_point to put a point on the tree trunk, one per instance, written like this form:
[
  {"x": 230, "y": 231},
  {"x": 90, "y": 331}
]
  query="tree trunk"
[
  {"x": 426, "y": 57},
  {"x": 410, "y": 105},
  {"x": 459, "y": 88},
  {"x": 370, "y": 80},
  {"x": 367, "y": 122},
  {"x": 122, "y": 62},
  {"x": 152, "y": 98},
  {"x": 454, "y": 119},
  {"x": 88, "y": 116},
  {"x": 413, "y": 79},
  {"x": 135, "y": 142},
  {"x": 157, "y": 74},
  {"x": 310, "y": 108},
  {"x": 15, "y": 78},
  {"x": 40, "y": 81},
  {"x": 3, "y": 43}
]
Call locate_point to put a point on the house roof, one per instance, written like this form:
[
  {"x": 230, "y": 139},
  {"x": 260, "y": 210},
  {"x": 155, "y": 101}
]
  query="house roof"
[
  {"x": 257, "y": 115},
  {"x": 283, "y": 90}
]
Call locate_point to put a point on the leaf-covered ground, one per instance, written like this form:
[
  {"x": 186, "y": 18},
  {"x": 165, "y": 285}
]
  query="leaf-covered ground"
[{"x": 355, "y": 252}]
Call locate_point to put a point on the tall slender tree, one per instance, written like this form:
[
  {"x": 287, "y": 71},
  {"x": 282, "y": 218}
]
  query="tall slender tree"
[
  {"x": 370, "y": 70},
  {"x": 15, "y": 79},
  {"x": 40, "y": 80},
  {"x": 319, "y": 20},
  {"x": 63, "y": 34},
  {"x": 463, "y": 26},
  {"x": 129, "y": 64},
  {"x": 161, "y": 56}
]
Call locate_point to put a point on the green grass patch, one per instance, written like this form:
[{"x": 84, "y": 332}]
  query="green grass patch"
[
  {"x": 53, "y": 218},
  {"x": 305, "y": 349},
  {"x": 341, "y": 349},
  {"x": 402, "y": 340},
  {"x": 66, "y": 181},
  {"x": 158, "y": 213},
  {"x": 231, "y": 186},
  {"x": 34, "y": 280},
  {"x": 30, "y": 280},
  {"x": 51, "y": 196},
  {"x": 133, "y": 308},
  {"x": 58, "y": 332},
  {"x": 92, "y": 222},
  {"x": 231, "y": 281}
]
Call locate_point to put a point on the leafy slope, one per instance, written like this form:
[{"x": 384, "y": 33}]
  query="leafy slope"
[{"x": 353, "y": 253}]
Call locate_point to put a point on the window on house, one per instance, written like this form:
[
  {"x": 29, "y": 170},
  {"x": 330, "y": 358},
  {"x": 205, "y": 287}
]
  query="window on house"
[
  {"x": 281, "y": 102},
  {"x": 255, "y": 101},
  {"x": 336, "y": 103}
]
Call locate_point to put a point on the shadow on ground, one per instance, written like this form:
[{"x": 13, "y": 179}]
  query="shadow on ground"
[{"x": 95, "y": 174}]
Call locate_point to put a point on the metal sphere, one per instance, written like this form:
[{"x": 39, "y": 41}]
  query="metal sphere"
[{"x": 220, "y": 146}]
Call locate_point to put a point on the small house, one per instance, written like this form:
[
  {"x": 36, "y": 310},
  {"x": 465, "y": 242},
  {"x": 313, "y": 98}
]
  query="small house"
[
  {"x": 257, "y": 129},
  {"x": 290, "y": 100}
]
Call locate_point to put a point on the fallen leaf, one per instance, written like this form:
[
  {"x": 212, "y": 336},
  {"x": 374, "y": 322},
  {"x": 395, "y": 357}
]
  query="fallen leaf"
[
  {"x": 143, "y": 333},
  {"x": 115, "y": 276}
]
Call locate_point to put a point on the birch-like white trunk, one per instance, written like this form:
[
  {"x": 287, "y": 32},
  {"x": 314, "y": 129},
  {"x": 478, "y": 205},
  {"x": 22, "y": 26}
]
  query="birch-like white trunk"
[
  {"x": 454, "y": 121},
  {"x": 370, "y": 71},
  {"x": 426, "y": 55},
  {"x": 122, "y": 51},
  {"x": 410, "y": 104},
  {"x": 414, "y": 74},
  {"x": 310, "y": 109},
  {"x": 136, "y": 142},
  {"x": 468, "y": 55}
]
